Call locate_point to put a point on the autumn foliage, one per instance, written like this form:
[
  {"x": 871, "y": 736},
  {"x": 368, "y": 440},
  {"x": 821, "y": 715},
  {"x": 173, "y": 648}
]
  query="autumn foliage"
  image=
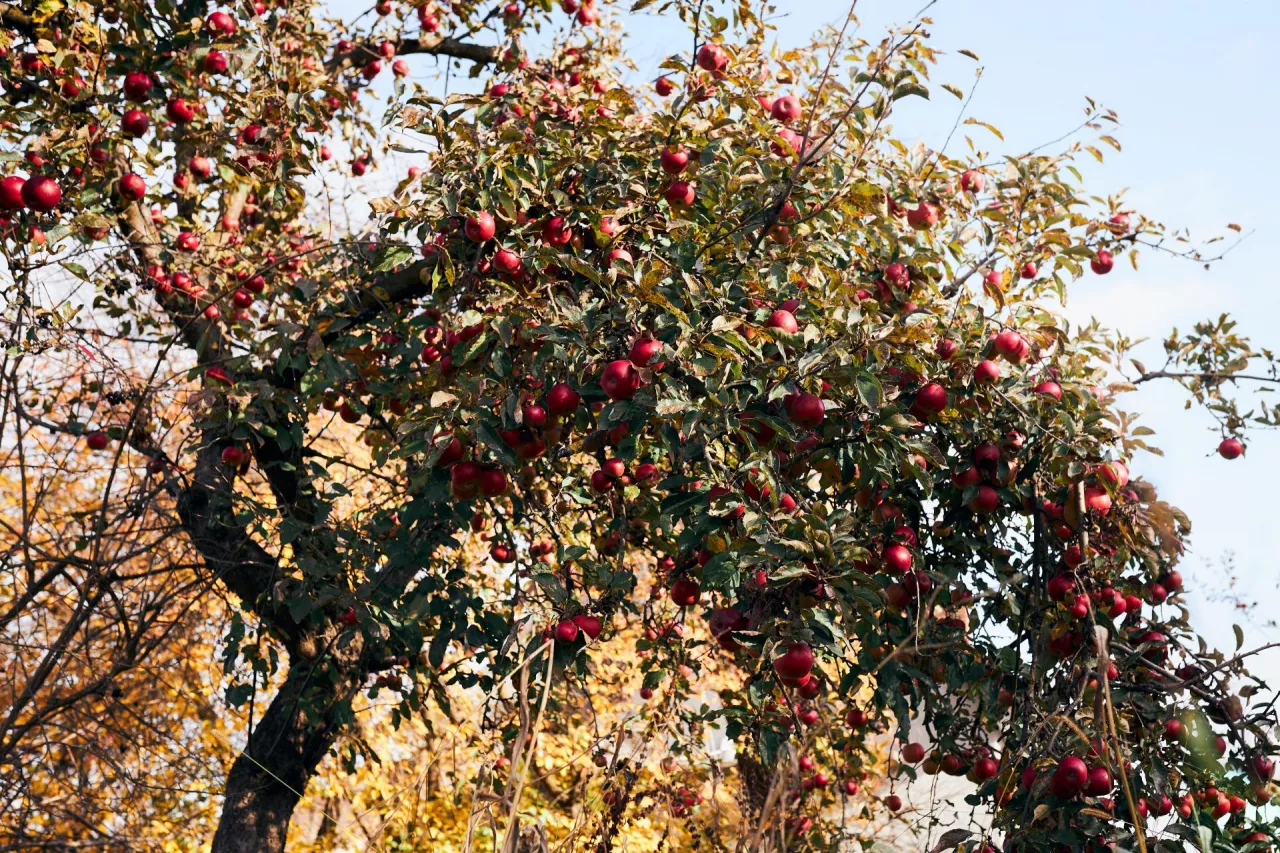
[{"x": 685, "y": 466}]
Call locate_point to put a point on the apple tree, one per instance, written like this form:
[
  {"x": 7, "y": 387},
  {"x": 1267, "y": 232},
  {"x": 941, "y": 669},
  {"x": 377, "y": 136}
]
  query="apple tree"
[{"x": 716, "y": 357}]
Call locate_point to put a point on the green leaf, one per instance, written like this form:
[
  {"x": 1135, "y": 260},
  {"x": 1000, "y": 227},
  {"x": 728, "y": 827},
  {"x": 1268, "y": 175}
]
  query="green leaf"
[
  {"x": 869, "y": 390},
  {"x": 75, "y": 269},
  {"x": 908, "y": 89},
  {"x": 552, "y": 586},
  {"x": 771, "y": 741},
  {"x": 238, "y": 694},
  {"x": 439, "y": 645},
  {"x": 989, "y": 127},
  {"x": 299, "y": 607},
  {"x": 679, "y": 504},
  {"x": 1206, "y": 838},
  {"x": 788, "y": 571},
  {"x": 446, "y": 263},
  {"x": 494, "y": 442},
  {"x": 826, "y": 622},
  {"x": 393, "y": 258},
  {"x": 721, "y": 573}
]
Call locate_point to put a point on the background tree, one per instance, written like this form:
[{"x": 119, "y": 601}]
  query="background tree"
[{"x": 609, "y": 360}]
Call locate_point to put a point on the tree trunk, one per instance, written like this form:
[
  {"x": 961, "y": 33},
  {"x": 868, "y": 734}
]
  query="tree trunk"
[{"x": 269, "y": 777}]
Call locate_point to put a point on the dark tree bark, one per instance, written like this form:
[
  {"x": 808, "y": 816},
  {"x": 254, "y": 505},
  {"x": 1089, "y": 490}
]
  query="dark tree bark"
[
  {"x": 269, "y": 777},
  {"x": 12, "y": 16},
  {"x": 431, "y": 45}
]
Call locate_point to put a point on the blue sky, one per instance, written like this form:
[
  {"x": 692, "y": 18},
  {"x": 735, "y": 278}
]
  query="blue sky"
[{"x": 1193, "y": 86}]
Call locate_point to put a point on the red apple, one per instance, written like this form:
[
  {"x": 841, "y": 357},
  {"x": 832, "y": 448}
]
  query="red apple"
[
  {"x": 785, "y": 109},
  {"x": 1069, "y": 778},
  {"x": 712, "y": 57},
  {"x": 137, "y": 86},
  {"x": 11, "y": 192},
  {"x": 620, "y": 380},
  {"x": 805, "y": 410},
  {"x": 1100, "y": 783},
  {"x": 1011, "y": 346},
  {"x": 1102, "y": 262},
  {"x": 1114, "y": 473},
  {"x": 480, "y": 228},
  {"x": 897, "y": 275},
  {"x": 783, "y": 321},
  {"x": 674, "y": 160},
  {"x": 562, "y": 399},
  {"x": 1097, "y": 500},
  {"x": 220, "y": 24},
  {"x": 897, "y": 558},
  {"x": 215, "y": 62},
  {"x": 492, "y": 482},
  {"x": 590, "y": 625},
  {"x": 200, "y": 166},
  {"x": 643, "y": 351},
  {"x": 923, "y": 216},
  {"x": 972, "y": 181},
  {"x": 556, "y": 231},
  {"x": 1060, "y": 586},
  {"x": 135, "y": 123},
  {"x": 987, "y": 500},
  {"x": 986, "y": 371},
  {"x": 179, "y": 111},
  {"x": 507, "y": 262},
  {"x": 566, "y": 631},
  {"x": 788, "y": 144},
  {"x": 795, "y": 664},
  {"x": 132, "y": 187},
  {"x": 931, "y": 398},
  {"x": 1049, "y": 389},
  {"x": 680, "y": 194},
  {"x": 685, "y": 592},
  {"x": 1230, "y": 448},
  {"x": 41, "y": 194}
]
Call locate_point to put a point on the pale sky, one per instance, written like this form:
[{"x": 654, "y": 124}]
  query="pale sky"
[{"x": 1195, "y": 93}]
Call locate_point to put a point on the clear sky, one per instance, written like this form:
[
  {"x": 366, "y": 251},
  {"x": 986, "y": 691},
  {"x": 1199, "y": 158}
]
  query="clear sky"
[{"x": 1194, "y": 86}]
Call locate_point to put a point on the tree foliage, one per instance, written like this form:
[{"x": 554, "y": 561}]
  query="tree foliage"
[{"x": 634, "y": 421}]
